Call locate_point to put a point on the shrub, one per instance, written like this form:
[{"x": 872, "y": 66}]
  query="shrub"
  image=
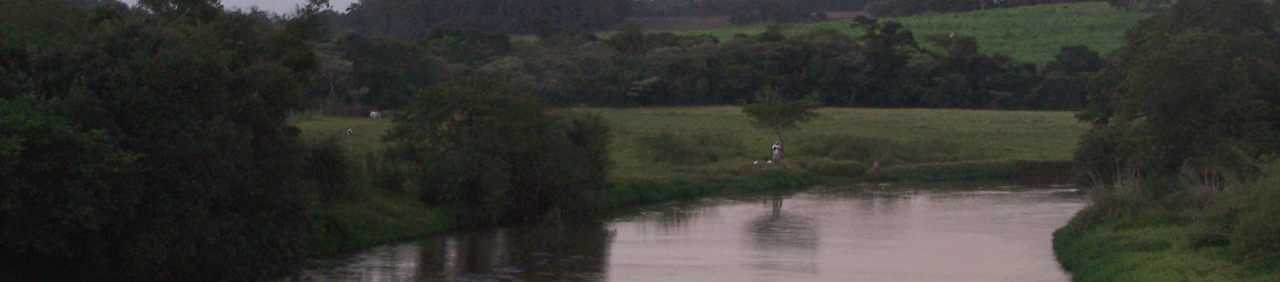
[
  {"x": 326, "y": 168},
  {"x": 1256, "y": 232},
  {"x": 490, "y": 154}
]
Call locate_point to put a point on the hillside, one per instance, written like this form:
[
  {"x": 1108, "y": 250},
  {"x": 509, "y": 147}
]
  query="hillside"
[{"x": 1030, "y": 34}]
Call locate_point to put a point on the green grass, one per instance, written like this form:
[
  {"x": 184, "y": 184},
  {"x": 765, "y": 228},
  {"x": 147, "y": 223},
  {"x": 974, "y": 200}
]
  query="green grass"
[
  {"x": 1154, "y": 246},
  {"x": 1029, "y": 34},
  {"x": 963, "y": 135},
  {"x": 924, "y": 144},
  {"x": 725, "y": 136},
  {"x": 376, "y": 218},
  {"x": 367, "y": 138}
]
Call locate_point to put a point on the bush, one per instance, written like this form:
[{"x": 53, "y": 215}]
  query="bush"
[
  {"x": 490, "y": 154},
  {"x": 326, "y": 168},
  {"x": 1256, "y": 230}
]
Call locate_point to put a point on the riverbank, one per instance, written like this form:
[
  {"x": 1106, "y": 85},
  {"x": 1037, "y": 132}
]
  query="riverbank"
[
  {"x": 383, "y": 217},
  {"x": 1123, "y": 236},
  {"x": 663, "y": 154}
]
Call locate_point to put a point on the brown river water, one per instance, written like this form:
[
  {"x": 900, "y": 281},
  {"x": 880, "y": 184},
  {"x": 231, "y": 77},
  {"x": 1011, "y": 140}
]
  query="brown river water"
[{"x": 899, "y": 232}]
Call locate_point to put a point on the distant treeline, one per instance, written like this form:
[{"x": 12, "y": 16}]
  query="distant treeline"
[
  {"x": 899, "y": 8},
  {"x": 665, "y": 8},
  {"x": 414, "y": 18},
  {"x": 886, "y": 67}
]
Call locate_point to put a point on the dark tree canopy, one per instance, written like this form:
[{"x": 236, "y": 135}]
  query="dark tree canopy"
[
  {"x": 777, "y": 115},
  {"x": 150, "y": 145},
  {"x": 1200, "y": 83},
  {"x": 491, "y": 154},
  {"x": 414, "y": 18}
]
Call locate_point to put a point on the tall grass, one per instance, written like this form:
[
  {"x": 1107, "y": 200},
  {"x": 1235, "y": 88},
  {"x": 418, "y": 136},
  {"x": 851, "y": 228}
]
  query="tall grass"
[
  {"x": 1028, "y": 34},
  {"x": 1128, "y": 233}
]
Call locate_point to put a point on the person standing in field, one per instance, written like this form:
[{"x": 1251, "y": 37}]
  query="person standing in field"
[{"x": 777, "y": 150}]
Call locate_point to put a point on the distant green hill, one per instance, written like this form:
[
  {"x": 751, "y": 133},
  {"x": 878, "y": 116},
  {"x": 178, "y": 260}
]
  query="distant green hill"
[{"x": 1030, "y": 34}]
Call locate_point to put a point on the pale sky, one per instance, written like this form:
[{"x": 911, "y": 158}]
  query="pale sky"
[{"x": 275, "y": 6}]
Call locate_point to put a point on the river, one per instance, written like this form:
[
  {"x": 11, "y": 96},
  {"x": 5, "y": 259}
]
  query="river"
[{"x": 950, "y": 232}]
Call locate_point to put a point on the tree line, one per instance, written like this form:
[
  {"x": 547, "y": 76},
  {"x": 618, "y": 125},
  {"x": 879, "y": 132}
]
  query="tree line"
[
  {"x": 884, "y": 67},
  {"x": 1186, "y": 118},
  {"x": 151, "y": 143}
]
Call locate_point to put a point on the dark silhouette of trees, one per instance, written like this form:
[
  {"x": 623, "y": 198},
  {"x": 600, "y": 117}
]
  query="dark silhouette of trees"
[
  {"x": 414, "y": 18},
  {"x": 1200, "y": 85},
  {"x": 151, "y": 145},
  {"x": 490, "y": 154}
]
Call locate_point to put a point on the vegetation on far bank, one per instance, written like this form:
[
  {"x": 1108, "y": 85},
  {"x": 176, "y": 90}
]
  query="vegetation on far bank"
[
  {"x": 1027, "y": 34},
  {"x": 1181, "y": 152},
  {"x": 153, "y": 142},
  {"x": 661, "y": 154}
]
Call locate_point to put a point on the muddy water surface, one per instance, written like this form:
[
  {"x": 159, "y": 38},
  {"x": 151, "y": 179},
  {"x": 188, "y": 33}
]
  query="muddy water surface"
[{"x": 879, "y": 233}]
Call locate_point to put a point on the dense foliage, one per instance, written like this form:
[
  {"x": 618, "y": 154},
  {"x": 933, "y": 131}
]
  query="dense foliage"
[
  {"x": 913, "y": 7},
  {"x": 1185, "y": 125},
  {"x": 150, "y": 144},
  {"x": 777, "y": 115},
  {"x": 414, "y": 18},
  {"x": 1199, "y": 86},
  {"x": 884, "y": 67},
  {"x": 491, "y": 154}
]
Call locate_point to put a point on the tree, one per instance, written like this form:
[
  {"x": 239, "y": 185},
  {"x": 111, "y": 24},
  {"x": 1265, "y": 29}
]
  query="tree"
[
  {"x": 490, "y": 154},
  {"x": 777, "y": 115},
  {"x": 1202, "y": 85},
  {"x": 153, "y": 145}
]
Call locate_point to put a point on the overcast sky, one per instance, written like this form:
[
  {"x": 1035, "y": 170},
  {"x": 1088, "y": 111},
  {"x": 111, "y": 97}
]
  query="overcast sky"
[{"x": 275, "y": 6}]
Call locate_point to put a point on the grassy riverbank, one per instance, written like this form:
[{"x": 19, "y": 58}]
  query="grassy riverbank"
[
  {"x": 662, "y": 154},
  {"x": 1127, "y": 236},
  {"x": 1029, "y": 34}
]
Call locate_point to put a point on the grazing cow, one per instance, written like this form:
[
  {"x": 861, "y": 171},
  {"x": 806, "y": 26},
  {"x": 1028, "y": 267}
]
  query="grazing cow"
[{"x": 375, "y": 115}]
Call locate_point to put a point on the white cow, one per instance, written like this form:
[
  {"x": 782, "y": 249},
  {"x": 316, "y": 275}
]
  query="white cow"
[{"x": 375, "y": 115}]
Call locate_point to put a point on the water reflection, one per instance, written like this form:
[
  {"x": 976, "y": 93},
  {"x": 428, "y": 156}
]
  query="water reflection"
[
  {"x": 784, "y": 243},
  {"x": 529, "y": 253},
  {"x": 891, "y": 233}
]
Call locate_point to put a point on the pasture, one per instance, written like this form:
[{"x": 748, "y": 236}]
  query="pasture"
[
  {"x": 720, "y": 141},
  {"x": 1029, "y": 34}
]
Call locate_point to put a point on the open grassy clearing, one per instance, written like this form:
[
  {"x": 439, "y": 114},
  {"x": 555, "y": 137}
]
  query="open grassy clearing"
[
  {"x": 1029, "y": 34},
  {"x": 367, "y": 137},
  {"x": 732, "y": 144},
  {"x": 727, "y": 143},
  {"x": 716, "y": 148}
]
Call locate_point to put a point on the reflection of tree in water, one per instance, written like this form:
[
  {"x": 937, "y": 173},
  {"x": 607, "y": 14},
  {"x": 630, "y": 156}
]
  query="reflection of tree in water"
[
  {"x": 531, "y": 253},
  {"x": 784, "y": 242}
]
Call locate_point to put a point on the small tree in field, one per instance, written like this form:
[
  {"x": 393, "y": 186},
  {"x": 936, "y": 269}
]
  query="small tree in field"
[{"x": 776, "y": 114}]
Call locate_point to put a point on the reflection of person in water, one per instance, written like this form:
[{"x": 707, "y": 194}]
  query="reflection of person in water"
[
  {"x": 786, "y": 242},
  {"x": 782, "y": 230}
]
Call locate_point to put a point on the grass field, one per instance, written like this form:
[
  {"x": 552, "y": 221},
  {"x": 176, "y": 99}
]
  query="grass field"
[
  {"x": 730, "y": 144},
  {"x": 1029, "y": 34},
  {"x": 367, "y": 137},
  {"x": 963, "y": 134},
  {"x": 913, "y": 143}
]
